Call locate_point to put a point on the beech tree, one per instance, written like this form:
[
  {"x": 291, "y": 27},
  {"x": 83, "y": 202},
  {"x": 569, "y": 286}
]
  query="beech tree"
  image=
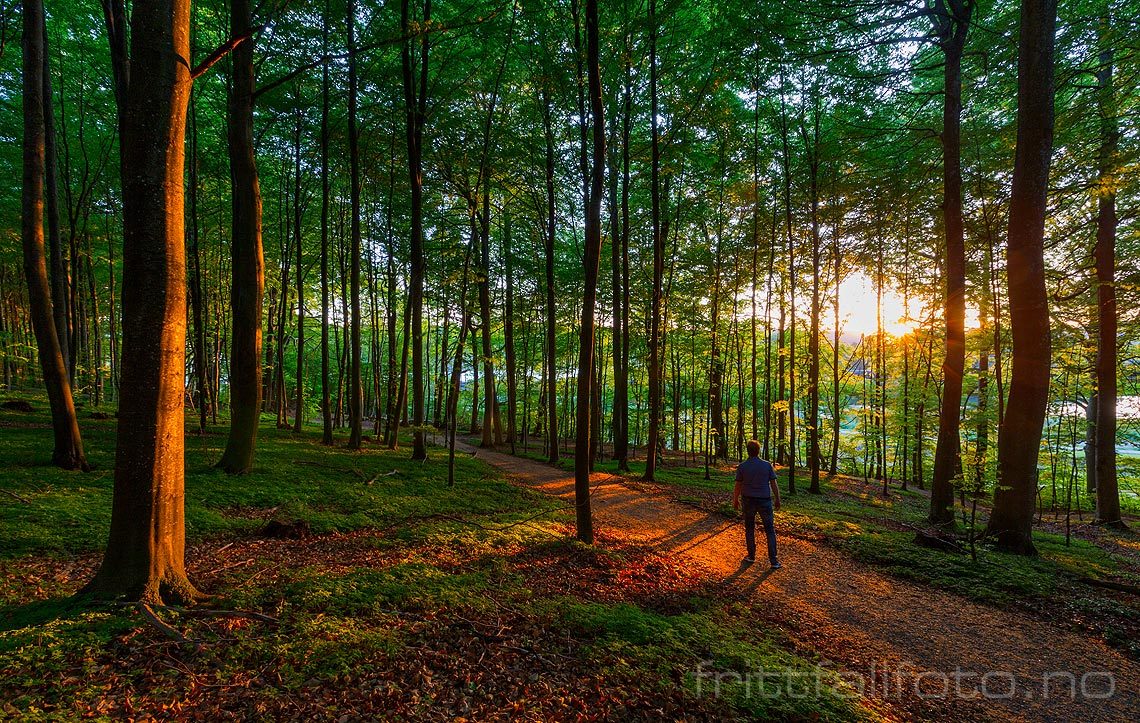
[
  {"x": 145, "y": 555},
  {"x": 67, "y": 451},
  {"x": 1011, "y": 523}
]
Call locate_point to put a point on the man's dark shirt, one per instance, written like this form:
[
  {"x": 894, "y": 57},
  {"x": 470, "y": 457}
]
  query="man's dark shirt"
[{"x": 755, "y": 476}]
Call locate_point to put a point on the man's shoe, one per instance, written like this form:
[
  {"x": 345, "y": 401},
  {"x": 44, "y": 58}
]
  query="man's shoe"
[
  {"x": 776, "y": 565},
  {"x": 749, "y": 560}
]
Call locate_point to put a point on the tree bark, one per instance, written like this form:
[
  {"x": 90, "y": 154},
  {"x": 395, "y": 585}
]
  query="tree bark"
[
  {"x": 1019, "y": 441},
  {"x": 656, "y": 301},
  {"x": 326, "y": 407},
  {"x": 551, "y": 303},
  {"x": 247, "y": 261},
  {"x": 144, "y": 559},
  {"x": 591, "y": 257},
  {"x": 952, "y": 20},
  {"x": 415, "y": 104},
  {"x": 1107, "y": 493},
  {"x": 355, "y": 388},
  {"x": 68, "y": 444}
]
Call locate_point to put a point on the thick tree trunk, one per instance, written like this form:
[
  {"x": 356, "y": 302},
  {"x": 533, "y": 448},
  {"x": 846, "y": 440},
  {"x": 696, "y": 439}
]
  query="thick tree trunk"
[
  {"x": 952, "y": 23},
  {"x": 68, "y": 445},
  {"x": 1107, "y": 494},
  {"x": 247, "y": 261},
  {"x": 1019, "y": 441},
  {"x": 145, "y": 549}
]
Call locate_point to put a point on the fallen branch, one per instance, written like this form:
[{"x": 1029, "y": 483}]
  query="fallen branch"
[{"x": 1110, "y": 585}]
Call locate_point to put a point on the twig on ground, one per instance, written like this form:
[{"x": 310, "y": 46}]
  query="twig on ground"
[
  {"x": 211, "y": 613},
  {"x": 15, "y": 496},
  {"x": 165, "y": 628}
]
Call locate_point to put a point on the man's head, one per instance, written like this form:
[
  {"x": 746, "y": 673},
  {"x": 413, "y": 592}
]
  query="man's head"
[{"x": 753, "y": 448}]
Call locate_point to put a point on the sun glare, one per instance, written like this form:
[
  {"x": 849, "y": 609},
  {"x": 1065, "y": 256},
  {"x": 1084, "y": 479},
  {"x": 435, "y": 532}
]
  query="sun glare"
[{"x": 858, "y": 304}]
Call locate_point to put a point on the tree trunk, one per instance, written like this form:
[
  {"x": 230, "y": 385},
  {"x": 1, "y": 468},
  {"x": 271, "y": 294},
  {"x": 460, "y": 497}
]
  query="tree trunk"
[
  {"x": 68, "y": 445},
  {"x": 551, "y": 304},
  {"x": 655, "y": 357},
  {"x": 591, "y": 257},
  {"x": 415, "y": 104},
  {"x": 60, "y": 292},
  {"x": 299, "y": 279},
  {"x": 952, "y": 23},
  {"x": 145, "y": 549},
  {"x": 326, "y": 406},
  {"x": 196, "y": 299},
  {"x": 1107, "y": 494},
  {"x": 1019, "y": 441},
  {"x": 355, "y": 388},
  {"x": 509, "y": 335},
  {"x": 247, "y": 262}
]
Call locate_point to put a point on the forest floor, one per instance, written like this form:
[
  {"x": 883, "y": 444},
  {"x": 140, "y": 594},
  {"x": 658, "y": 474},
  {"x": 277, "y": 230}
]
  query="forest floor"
[
  {"x": 387, "y": 595},
  {"x": 893, "y": 616}
]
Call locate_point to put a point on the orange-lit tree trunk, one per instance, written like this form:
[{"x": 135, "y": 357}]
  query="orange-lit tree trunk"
[
  {"x": 68, "y": 450},
  {"x": 145, "y": 548},
  {"x": 247, "y": 285},
  {"x": 1019, "y": 440}
]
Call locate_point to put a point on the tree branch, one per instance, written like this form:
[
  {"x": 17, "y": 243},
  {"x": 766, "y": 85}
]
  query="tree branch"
[{"x": 220, "y": 52}]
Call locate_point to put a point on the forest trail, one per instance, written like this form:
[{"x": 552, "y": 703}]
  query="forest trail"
[{"x": 889, "y": 633}]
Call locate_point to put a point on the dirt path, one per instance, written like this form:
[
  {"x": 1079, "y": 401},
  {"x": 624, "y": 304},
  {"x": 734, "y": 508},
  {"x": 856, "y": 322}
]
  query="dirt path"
[{"x": 889, "y": 635}]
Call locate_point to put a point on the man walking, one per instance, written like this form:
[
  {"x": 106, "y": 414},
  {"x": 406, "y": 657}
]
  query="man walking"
[{"x": 756, "y": 483}]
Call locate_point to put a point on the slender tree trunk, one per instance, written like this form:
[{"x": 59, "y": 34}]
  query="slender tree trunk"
[
  {"x": 196, "y": 298},
  {"x": 355, "y": 388},
  {"x": 952, "y": 25},
  {"x": 1019, "y": 443},
  {"x": 656, "y": 301},
  {"x": 811, "y": 145},
  {"x": 60, "y": 293},
  {"x": 509, "y": 334},
  {"x": 247, "y": 263},
  {"x": 326, "y": 406},
  {"x": 551, "y": 303},
  {"x": 68, "y": 444},
  {"x": 299, "y": 279},
  {"x": 144, "y": 559},
  {"x": 593, "y": 249},
  {"x": 415, "y": 103}
]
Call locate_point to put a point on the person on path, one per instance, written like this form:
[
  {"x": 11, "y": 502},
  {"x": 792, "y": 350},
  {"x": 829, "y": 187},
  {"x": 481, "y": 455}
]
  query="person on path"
[{"x": 756, "y": 483}]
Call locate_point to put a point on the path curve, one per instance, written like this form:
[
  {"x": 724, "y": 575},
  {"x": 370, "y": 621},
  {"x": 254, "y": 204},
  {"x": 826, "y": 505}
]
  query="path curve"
[{"x": 888, "y": 633}]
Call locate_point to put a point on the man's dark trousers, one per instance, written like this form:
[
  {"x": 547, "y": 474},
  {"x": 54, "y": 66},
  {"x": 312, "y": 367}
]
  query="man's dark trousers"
[{"x": 763, "y": 505}]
